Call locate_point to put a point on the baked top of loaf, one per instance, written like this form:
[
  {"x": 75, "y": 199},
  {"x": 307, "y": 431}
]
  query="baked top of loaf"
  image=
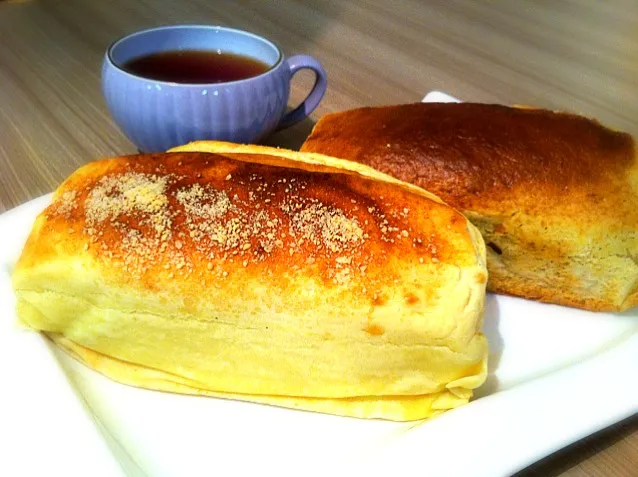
[
  {"x": 488, "y": 157},
  {"x": 310, "y": 282},
  {"x": 198, "y": 217},
  {"x": 553, "y": 194}
]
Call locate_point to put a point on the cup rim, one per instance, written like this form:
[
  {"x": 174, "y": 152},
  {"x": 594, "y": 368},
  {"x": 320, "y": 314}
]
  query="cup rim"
[{"x": 114, "y": 44}]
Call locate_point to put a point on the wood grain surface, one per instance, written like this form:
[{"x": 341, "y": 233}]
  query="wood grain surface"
[{"x": 580, "y": 56}]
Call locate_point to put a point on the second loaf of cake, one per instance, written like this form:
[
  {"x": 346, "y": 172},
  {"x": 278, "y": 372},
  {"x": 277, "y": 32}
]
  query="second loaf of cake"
[{"x": 555, "y": 195}]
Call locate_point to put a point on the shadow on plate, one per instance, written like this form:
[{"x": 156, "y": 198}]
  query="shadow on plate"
[
  {"x": 491, "y": 323},
  {"x": 292, "y": 137}
]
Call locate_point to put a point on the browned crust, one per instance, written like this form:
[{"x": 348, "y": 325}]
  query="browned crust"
[
  {"x": 479, "y": 156},
  {"x": 355, "y": 227}
]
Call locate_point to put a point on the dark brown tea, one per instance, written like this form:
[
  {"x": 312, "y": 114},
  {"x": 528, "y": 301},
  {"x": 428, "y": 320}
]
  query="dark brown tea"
[{"x": 195, "y": 66}]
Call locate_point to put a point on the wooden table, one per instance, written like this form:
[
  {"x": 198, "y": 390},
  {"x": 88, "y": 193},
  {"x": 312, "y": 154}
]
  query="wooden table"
[{"x": 573, "y": 55}]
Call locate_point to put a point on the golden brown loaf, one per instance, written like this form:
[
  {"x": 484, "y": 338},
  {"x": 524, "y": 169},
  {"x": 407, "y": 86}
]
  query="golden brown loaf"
[
  {"x": 299, "y": 283},
  {"x": 554, "y": 195}
]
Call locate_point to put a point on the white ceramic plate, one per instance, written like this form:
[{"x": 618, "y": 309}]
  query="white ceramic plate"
[{"x": 556, "y": 375}]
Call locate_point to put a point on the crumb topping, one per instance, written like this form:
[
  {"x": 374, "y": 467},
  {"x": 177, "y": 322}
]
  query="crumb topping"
[
  {"x": 116, "y": 198},
  {"x": 214, "y": 227},
  {"x": 129, "y": 193},
  {"x": 66, "y": 203},
  {"x": 326, "y": 227}
]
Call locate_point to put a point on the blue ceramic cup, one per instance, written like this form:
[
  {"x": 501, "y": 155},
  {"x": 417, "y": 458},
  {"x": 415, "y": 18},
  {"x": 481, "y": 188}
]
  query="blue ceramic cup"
[{"x": 158, "y": 115}]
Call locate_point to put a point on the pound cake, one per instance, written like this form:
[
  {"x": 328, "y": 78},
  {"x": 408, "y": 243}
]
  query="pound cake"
[
  {"x": 261, "y": 275},
  {"x": 555, "y": 195}
]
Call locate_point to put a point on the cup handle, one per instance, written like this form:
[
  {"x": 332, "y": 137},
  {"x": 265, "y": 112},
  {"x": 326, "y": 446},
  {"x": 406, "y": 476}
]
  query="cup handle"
[{"x": 296, "y": 63}]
